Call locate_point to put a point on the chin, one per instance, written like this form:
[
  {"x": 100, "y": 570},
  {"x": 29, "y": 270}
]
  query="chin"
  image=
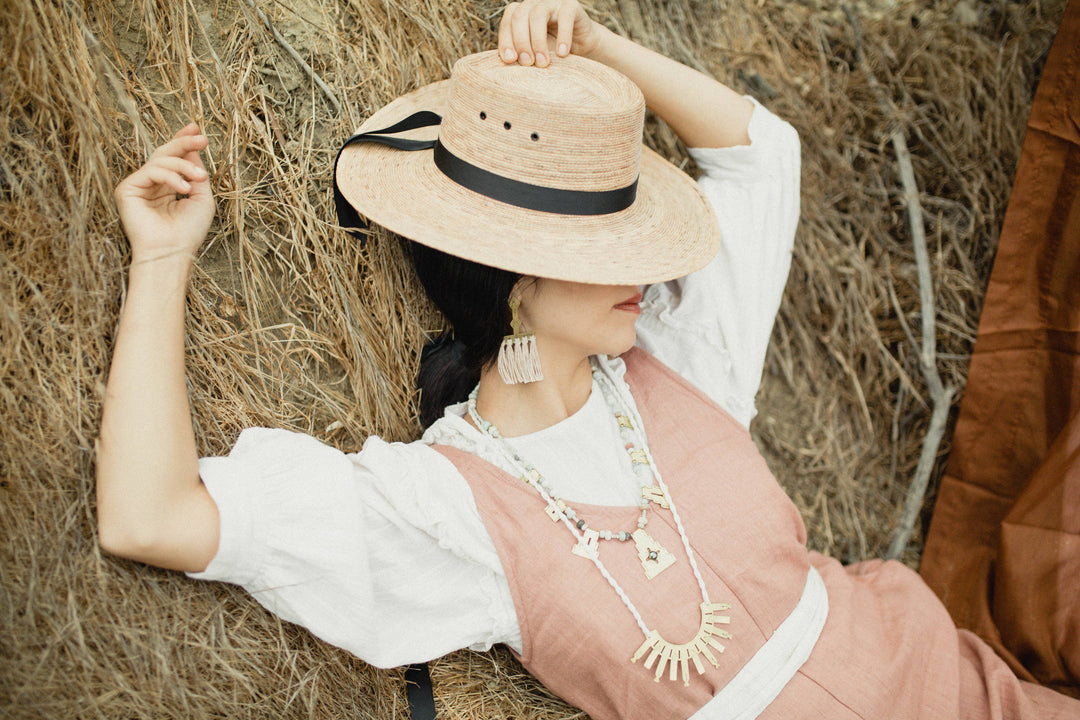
[{"x": 616, "y": 348}]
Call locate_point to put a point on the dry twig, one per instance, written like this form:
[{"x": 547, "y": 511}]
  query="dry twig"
[
  {"x": 296, "y": 56},
  {"x": 940, "y": 394}
]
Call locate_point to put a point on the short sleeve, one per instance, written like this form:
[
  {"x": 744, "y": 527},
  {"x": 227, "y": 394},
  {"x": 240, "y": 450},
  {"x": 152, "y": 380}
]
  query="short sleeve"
[
  {"x": 342, "y": 545},
  {"x": 713, "y": 326}
]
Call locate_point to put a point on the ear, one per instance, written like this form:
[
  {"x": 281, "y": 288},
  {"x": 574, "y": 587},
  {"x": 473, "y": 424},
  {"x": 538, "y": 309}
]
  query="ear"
[
  {"x": 522, "y": 295},
  {"x": 525, "y": 288}
]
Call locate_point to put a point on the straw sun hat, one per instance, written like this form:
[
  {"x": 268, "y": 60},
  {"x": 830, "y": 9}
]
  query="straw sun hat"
[{"x": 539, "y": 171}]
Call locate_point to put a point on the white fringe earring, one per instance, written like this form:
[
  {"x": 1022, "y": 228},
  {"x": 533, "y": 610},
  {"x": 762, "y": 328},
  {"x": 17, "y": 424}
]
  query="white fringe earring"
[{"x": 519, "y": 360}]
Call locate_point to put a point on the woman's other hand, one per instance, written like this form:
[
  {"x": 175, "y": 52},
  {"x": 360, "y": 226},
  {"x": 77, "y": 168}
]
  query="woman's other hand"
[
  {"x": 166, "y": 205},
  {"x": 529, "y": 31},
  {"x": 151, "y": 503}
]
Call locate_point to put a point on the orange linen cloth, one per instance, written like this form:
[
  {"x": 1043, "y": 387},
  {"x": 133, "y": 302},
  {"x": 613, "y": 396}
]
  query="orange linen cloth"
[{"x": 1003, "y": 551}]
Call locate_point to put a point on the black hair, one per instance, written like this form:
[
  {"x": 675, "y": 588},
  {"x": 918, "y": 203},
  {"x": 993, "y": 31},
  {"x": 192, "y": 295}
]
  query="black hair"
[{"x": 474, "y": 298}]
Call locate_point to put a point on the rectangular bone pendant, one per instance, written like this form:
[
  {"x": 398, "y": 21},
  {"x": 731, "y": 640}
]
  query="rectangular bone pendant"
[
  {"x": 655, "y": 494},
  {"x": 653, "y": 556},
  {"x": 588, "y": 546}
]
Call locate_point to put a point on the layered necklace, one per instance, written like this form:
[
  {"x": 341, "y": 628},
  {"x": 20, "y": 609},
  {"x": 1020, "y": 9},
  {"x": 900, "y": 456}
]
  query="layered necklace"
[{"x": 654, "y": 558}]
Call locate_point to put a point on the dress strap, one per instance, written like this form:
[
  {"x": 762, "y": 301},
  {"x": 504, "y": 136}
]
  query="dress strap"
[{"x": 419, "y": 691}]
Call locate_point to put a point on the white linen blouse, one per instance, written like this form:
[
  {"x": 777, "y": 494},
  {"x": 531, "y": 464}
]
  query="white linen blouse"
[{"x": 383, "y": 552}]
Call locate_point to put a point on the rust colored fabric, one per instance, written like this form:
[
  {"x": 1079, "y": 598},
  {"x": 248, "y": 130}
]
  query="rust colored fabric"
[{"x": 1003, "y": 551}]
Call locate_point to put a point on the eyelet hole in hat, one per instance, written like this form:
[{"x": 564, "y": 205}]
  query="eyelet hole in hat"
[
  {"x": 535, "y": 137},
  {"x": 483, "y": 115},
  {"x": 506, "y": 124}
]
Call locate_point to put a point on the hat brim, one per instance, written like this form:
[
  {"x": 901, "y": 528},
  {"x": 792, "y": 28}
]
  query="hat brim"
[{"x": 668, "y": 232}]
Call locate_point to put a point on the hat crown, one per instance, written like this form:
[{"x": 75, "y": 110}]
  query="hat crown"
[{"x": 575, "y": 125}]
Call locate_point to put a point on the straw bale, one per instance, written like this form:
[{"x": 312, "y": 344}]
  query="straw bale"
[{"x": 292, "y": 324}]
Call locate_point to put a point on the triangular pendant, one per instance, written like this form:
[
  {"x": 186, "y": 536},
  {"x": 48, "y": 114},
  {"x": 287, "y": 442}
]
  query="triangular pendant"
[{"x": 653, "y": 556}]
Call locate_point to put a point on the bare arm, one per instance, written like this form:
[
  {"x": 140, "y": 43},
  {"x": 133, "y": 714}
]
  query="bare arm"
[
  {"x": 702, "y": 111},
  {"x": 152, "y": 506}
]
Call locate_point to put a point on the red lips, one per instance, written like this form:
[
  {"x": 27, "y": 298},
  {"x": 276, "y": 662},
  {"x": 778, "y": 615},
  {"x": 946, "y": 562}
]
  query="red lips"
[{"x": 631, "y": 304}]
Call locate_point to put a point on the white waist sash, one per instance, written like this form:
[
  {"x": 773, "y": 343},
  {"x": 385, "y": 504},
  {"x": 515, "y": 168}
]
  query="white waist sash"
[{"x": 768, "y": 672}]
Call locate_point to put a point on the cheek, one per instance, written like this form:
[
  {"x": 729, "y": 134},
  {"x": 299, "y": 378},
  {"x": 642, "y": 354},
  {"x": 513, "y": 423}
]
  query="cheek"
[{"x": 583, "y": 316}]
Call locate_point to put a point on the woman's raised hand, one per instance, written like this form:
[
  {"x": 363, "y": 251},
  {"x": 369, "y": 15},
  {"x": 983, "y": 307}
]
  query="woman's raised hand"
[
  {"x": 157, "y": 220},
  {"x": 701, "y": 111},
  {"x": 529, "y": 30}
]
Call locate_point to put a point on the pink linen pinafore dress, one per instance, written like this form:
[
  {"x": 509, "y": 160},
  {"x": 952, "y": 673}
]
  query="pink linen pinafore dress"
[{"x": 887, "y": 649}]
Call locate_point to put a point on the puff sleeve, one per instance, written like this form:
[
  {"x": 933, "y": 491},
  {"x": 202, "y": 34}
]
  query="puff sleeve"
[
  {"x": 713, "y": 326},
  {"x": 382, "y": 552}
]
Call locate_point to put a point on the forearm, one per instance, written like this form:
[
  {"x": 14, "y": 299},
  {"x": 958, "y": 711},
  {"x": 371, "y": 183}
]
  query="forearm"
[
  {"x": 148, "y": 487},
  {"x": 701, "y": 111}
]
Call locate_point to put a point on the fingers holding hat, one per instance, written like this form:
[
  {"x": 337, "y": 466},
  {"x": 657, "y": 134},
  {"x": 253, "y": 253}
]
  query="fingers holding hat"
[
  {"x": 530, "y": 30},
  {"x": 575, "y": 27},
  {"x": 515, "y": 43},
  {"x": 538, "y": 33}
]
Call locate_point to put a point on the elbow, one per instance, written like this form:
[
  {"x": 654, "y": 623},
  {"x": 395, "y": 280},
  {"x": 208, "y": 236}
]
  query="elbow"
[
  {"x": 181, "y": 535},
  {"x": 114, "y": 533},
  {"x": 121, "y": 538},
  {"x": 141, "y": 542},
  {"x": 164, "y": 520},
  {"x": 126, "y": 528}
]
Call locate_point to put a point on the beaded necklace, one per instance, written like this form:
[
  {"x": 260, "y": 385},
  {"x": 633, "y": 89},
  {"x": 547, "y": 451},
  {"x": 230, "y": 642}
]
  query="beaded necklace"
[
  {"x": 663, "y": 653},
  {"x": 653, "y": 556}
]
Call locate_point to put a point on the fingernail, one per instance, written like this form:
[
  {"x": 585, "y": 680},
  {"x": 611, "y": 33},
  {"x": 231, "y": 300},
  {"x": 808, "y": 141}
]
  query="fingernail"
[
  {"x": 526, "y": 59},
  {"x": 563, "y": 49},
  {"x": 508, "y": 53},
  {"x": 541, "y": 59}
]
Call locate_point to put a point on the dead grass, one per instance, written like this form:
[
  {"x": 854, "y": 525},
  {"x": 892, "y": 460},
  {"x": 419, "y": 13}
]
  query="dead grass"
[{"x": 292, "y": 325}]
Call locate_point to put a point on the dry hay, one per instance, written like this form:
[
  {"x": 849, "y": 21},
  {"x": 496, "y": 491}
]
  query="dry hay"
[{"x": 292, "y": 325}]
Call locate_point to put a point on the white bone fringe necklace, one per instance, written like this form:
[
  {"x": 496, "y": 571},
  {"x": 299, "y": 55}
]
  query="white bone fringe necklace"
[{"x": 654, "y": 558}]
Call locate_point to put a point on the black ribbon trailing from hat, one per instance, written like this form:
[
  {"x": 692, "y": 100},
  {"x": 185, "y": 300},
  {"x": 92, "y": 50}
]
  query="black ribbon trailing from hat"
[{"x": 492, "y": 185}]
